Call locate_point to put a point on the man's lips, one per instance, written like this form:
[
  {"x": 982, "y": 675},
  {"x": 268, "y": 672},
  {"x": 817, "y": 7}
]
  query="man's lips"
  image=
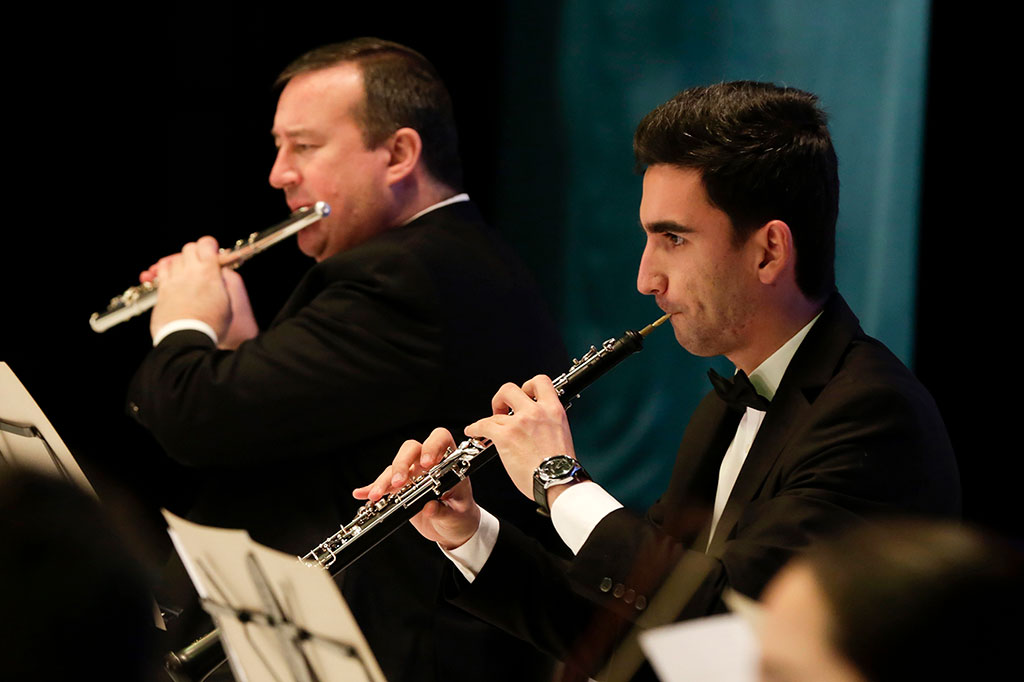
[{"x": 665, "y": 309}]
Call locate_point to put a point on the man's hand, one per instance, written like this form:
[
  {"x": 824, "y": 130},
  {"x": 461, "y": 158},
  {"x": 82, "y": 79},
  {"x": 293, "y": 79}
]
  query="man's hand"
[
  {"x": 536, "y": 429},
  {"x": 194, "y": 286},
  {"x": 243, "y": 323},
  {"x": 451, "y": 521}
]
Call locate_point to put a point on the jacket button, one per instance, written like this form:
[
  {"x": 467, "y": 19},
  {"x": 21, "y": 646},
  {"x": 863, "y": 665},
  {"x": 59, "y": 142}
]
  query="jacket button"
[
  {"x": 133, "y": 407},
  {"x": 619, "y": 590},
  {"x": 629, "y": 596},
  {"x": 606, "y": 585},
  {"x": 641, "y": 603}
]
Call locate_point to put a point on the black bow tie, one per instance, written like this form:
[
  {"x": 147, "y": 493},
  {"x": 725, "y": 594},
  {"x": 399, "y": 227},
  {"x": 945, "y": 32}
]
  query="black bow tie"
[{"x": 738, "y": 392}]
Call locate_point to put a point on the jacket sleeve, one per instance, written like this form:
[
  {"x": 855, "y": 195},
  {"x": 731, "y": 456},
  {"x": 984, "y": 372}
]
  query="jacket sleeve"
[
  {"x": 873, "y": 452},
  {"x": 364, "y": 349}
]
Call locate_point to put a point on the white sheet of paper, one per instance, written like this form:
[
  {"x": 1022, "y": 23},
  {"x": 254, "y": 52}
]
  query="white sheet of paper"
[
  {"x": 216, "y": 560},
  {"x": 17, "y": 406},
  {"x": 713, "y": 649}
]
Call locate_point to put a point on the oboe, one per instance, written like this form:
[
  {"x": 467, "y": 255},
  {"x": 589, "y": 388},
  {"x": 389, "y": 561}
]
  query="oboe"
[
  {"x": 375, "y": 521},
  {"x": 138, "y": 299}
]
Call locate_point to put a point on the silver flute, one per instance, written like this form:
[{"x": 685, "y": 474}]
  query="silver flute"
[
  {"x": 375, "y": 521},
  {"x": 138, "y": 299}
]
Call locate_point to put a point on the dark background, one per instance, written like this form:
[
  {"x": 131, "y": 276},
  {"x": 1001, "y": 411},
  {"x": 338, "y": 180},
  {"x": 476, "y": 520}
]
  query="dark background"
[{"x": 126, "y": 143}]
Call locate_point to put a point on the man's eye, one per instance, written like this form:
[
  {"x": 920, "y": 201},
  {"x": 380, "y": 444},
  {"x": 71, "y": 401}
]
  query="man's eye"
[{"x": 674, "y": 239}]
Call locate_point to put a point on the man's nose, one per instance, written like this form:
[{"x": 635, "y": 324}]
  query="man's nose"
[
  {"x": 649, "y": 278},
  {"x": 283, "y": 173}
]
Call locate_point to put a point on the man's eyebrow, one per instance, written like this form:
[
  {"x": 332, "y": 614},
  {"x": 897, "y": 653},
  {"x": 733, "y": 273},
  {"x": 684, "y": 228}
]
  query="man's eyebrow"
[
  {"x": 667, "y": 226},
  {"x": 290, "y": 132}
]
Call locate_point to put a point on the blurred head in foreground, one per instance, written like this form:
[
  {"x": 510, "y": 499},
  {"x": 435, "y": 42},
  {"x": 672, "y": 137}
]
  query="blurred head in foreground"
[
  {"x": 901, "y": 601},
  {"x": 75, "y": 602}
]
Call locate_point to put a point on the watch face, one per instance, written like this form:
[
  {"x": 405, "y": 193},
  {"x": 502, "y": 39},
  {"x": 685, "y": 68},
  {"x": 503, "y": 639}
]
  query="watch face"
[{"x": 558, "y": 467}]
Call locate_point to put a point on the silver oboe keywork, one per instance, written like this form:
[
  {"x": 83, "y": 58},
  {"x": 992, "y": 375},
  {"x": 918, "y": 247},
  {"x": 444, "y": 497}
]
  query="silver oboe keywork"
[
  {"x": 138, "y": 299},
  {"x": 458, "y": 463},
  {"x": 375, "y": 521}
]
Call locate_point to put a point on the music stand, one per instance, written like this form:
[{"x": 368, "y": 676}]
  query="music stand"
[
  {"x": 278, "y": 618},
  {"x": 28, "y": 440}
]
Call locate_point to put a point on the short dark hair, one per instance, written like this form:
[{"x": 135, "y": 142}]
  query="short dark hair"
[
  {"x": 402, "y": 89},
  {"x": 921, "y": 600},
  {"x": 764, "y": 153}
]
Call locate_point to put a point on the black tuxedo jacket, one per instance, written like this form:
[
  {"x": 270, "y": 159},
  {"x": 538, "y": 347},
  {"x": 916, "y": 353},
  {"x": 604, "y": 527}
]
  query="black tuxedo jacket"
[
  {"x": 415, "y": 328},
  {"x": 850, "y": 434}
]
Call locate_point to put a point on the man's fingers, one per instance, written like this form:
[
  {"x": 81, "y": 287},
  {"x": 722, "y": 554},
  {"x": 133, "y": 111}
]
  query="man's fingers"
[
  {"x": 488, "y": 427},
  {"x": 412, "y": 459},
  {"x": 162, "y": 267},
  {"x": 510, "y": 398},
  {"x": 207, "y": 248},
  {"x": 540, "y": 388},
  {"x": 405, "y": 465},
  {"x": 459, "y": 498},
  {"x": 435, "y": 446},
  {"x": 366, "y": 491}
]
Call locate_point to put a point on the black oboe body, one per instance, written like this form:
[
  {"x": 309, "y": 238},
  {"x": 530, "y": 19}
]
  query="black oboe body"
[{"x": 375, "y": 521}]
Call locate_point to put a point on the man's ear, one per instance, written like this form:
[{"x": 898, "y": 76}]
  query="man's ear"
[
  {"x": 775, "y": 250},
  {"x": 404, "y": 147}
]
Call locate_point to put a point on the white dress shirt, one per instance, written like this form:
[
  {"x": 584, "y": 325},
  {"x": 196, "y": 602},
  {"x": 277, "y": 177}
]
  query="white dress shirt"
[
  {"x": 578, "y": 510},
  {"x": 766, "y": 379}
]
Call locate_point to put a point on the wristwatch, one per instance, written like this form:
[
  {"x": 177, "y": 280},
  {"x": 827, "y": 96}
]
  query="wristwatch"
[{"x": 555, "y": 471}]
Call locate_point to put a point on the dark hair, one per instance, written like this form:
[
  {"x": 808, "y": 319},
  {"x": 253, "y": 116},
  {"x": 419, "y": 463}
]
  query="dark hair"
[
  {"x": 922, "y": 601},
  {"x": 402, "y": 89},
  {"x": 764, "y": 153}
]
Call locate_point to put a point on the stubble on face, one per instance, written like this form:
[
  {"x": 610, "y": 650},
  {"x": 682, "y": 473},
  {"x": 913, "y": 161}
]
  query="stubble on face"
[{"x": 719, "y": 312}]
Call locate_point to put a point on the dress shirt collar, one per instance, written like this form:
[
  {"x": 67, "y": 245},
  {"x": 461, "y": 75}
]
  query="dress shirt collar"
[
  {"x": 458, "y": 198},
  {"x": 768, "y": 375}
]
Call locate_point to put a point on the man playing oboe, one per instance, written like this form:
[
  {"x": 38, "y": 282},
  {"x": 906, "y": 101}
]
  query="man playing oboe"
[{"x": 821, "y": 426}]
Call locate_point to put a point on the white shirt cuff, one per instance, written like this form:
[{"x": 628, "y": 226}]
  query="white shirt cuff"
[
  {"x": 578, "y": 510},
  {"x": 179, "y": 325},
  {"x": 471, "y": 556}
]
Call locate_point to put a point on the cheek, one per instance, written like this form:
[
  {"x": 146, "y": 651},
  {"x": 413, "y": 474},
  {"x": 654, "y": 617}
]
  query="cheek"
[
  {"x": 725, "y": 291},
  {"x": 309, "y": 235},
  {"x": 697, "y": 289}
]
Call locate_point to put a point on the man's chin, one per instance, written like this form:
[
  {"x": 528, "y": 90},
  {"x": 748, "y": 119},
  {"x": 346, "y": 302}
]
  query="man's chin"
[
  {"x": 695, "y": 344},
  {"x": 310, "y": 246}
]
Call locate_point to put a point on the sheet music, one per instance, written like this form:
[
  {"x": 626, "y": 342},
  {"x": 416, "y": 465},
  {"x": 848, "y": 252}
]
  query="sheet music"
[
  {"x": 218, "y": 561},
  {"x": 714, "y": 649}
]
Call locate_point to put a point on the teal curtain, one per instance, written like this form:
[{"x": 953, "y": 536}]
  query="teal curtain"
[{"x": 579, "y": 77}]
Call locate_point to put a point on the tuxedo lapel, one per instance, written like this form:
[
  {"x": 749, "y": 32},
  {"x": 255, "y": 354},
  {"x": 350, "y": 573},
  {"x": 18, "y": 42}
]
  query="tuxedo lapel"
[{"x": 812, "y": 367}]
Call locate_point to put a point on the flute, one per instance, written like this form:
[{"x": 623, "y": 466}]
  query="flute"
[
  {"x": 138, "y": 299},
  {"x": 375, "y": 521}
]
